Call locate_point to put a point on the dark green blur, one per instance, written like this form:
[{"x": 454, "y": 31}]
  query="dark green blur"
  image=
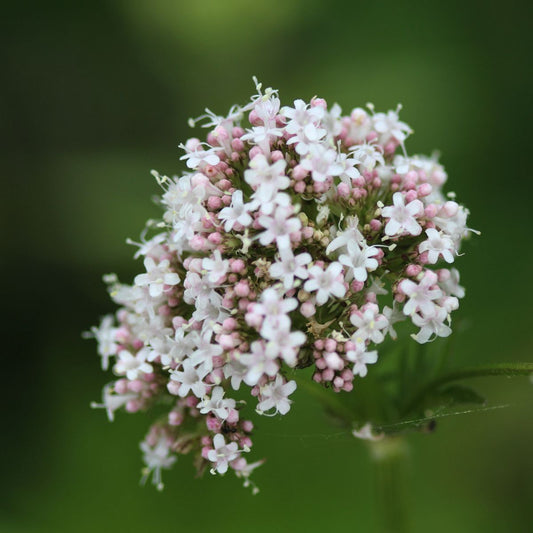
[{"x": 95, "y": 94}]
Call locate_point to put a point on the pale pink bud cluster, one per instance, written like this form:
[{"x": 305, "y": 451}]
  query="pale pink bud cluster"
[{"x": 298, "y": 237}]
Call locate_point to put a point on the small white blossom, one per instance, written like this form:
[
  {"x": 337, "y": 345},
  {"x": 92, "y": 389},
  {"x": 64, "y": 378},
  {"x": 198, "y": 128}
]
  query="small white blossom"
[
  {"x": 389, "y": 126},
  {"x": 451, "y": 285},
  {"x": 370, "y": 324},
  {"x": 359, "y": 261},
  {"x": 321, "y": 162},
  {"x": 431, "y": 324},
  {"x": 156, "y": 277},
  {"x": 366, "y": 433},
  {"x": 216, "y": 404},
  {"x": 325, "y": 282},
  {"x": 289, "y": 266},
  {"x": 361, "y": 359},
  {"x": 222, "y": 454},
  {"x": 237, "y": 213},
  {"x": 402, "y": 218},
  {"x": 189, "y": 379},
  {"x": 278, "y": 228},
  {"x": 258, "y": 362},
  {"x": 437, "y": 245},
  {"x": 275, "y": 395},
  {"x": 421, "y": 295},
  {"x": 367, "y": 155},
  {"x": 105, "y": 337},
  {"x": 157, "y": 458},
  {"x": 215, "y": 266},
  {"x": 133, "y": 366},
  {"x": 111, "y": 401},
  {"x": 265, "y": 178},
  {"x": 351, "y": 234},
  {"x": 196, "y": 156},
  {"x": 393, "y": 316},
  {"x": 284, "y": 344}
]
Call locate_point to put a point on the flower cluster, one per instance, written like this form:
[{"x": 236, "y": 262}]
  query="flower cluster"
[{"x": 298, "y": 238}]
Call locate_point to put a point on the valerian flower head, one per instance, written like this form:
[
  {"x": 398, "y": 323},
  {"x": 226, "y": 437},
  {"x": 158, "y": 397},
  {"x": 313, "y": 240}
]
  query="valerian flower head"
[{"x": 295, "y": 236}]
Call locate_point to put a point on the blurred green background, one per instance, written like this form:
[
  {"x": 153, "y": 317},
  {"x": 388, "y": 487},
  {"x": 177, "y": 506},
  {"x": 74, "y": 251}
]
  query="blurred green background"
[{"x": 95, "y": 94}]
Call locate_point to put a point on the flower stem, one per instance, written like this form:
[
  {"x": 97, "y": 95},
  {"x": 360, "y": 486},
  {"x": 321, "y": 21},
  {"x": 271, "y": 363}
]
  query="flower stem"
[{"x": 390, "y": 466}]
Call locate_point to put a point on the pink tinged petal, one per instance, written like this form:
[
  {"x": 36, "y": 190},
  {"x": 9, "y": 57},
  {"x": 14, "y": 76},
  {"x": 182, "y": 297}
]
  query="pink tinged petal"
[
  {"x": 392, "y": 227},
  {"x": 171, "y": 279},
  {"x": 155, "y": 290},
  {"x": 338, "y": 290},
  {"x": 409, "y": 308},
  {"x": 416, "y": 207},
  {"x": 360, "y": 274},
  {"x": 311, "y": 285},
  {"x": 412, "y": 226},
  {"x": 289, "y": 388},
  {"x": 447, "y": 255},
  {"x": 322, "y": 297}
]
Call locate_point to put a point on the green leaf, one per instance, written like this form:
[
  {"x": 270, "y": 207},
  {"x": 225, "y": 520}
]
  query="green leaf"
[
  {"x": 457, "y": 395},
  {"x": 496, "y": 369}
]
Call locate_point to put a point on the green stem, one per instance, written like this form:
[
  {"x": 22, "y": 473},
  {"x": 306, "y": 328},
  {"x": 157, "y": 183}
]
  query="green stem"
[
  {"x": 328, "y": 399},
  {"x": 497, "y": 369},
  {"x": 389, "y": 456}
]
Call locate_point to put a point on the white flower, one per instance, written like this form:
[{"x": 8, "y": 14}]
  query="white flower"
[
  {"x": 216, "y": 404},
  {"x": 235, "y": 370},
  {"x": 105, "y": 337},
  {"x": 366, "y": 433},
  {"x": 262, "y": 136},
  {"x": 348, "y": 165},
  {"x": 198, "y": 157},
  {"x": 236, "y": 213},
  {"x": 215, "y": 266},
  {"x": 361, "y": 359},
  {"x": 359, "y": 125},
  {"x": 157, "y": 458},
  {"x": 300, "y": 116},
  {"x": 367, "y": 155},
  {"x": 166, "y": 348},
  {"x": 258, "y": 362},
  {"x": 393, "y": 316},
  {"x": 390, "y": 127},
  {"x": 275, "y": 395},
  {"x": 198, "y": 289},
  {"x": 369, "y": 324},
  {"x": 289, "y": 267},
  {"x": 205, "y": 351},
  {"x": 303, "y": 126},
  {"x": 451, "y": 285},
  {"x": 284, "y": 344},
  {"x": 133, "y": 366},
  {"x": 274, "y": 308},
  {"x": 331, "y": 121},
  {"x": 421, "y": 295},
  {"x": 351, "y": 234},
  {"x": 326, "y": 282},
  {"x": 321, "y": 162},
  {"x": 403, "y": 217},
  {"x": 112, "y": 401},
  {"x": 222, "y": 454},
  {"x": 431, "y": 324},
  {"x": 265, "y": 178},
  {"x": 437, "y": 245},
  {"x": 359, "y": 261},
  {"x": 190, "y": 379},
  {"x": 156, "y": 277},
  {"x": 278, "y": 228}
]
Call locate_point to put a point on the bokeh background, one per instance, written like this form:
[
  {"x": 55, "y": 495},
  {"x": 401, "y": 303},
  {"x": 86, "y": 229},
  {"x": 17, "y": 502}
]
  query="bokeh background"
[{"x": 95, "y": 94}]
